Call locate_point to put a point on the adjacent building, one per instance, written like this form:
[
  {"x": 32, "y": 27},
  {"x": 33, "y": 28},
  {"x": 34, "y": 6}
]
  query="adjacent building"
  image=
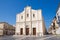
[
  {"x": 55, "y": 25},
  {"x": 6, "y": 29},
  {"x": 58, "y": 20},
  {"x": 30, "y": 22},
  {"x": 58, "y": 15}
]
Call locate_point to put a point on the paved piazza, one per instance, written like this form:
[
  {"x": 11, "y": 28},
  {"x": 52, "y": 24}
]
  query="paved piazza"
[{"x": 47, "y": 37}]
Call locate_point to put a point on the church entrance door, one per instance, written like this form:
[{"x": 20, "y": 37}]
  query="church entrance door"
[{"x": 34, "y": 31}]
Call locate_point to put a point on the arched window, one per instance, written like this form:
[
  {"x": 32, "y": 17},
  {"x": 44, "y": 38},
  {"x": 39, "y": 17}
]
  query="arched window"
[
  {"x": 21, "y": 17},
  {"x": 59, "y": 19},
  {"x": 27, "y": 15},
  {"x": 33, "y": 15}
]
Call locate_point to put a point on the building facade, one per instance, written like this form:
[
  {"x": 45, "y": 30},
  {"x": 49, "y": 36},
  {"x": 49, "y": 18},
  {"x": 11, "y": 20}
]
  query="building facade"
[
  {"x": 6, "y": 29},
  {"x": 58, "y": 20},
  {"x": 58, "y": 15},
  {"x": 55, "y": 25},
  {"x": 30, "y": 22}
]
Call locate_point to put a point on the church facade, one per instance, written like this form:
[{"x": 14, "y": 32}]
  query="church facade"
[{"x": 30, "y": 22}]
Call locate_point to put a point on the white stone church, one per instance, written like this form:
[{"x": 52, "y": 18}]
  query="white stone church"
[{"x": 30, "y": 22}]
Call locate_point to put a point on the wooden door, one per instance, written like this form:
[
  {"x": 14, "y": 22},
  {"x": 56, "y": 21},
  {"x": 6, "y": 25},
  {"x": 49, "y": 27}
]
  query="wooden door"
[
  {"x": 21, "y": 31},
  {"x": 34, "y": 31},
  {"x": 27, "y": 31}
]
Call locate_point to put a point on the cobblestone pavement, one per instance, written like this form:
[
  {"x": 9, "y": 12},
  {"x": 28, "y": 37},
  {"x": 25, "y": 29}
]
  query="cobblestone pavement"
[{"x": 47, "y": 37}]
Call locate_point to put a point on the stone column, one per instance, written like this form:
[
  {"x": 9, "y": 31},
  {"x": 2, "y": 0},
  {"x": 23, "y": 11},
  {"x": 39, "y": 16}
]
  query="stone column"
[{"x": 24, "y": 33}]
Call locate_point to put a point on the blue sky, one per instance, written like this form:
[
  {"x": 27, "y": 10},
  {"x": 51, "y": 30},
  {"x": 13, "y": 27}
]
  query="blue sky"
[{"x": 9, "y": 9}]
